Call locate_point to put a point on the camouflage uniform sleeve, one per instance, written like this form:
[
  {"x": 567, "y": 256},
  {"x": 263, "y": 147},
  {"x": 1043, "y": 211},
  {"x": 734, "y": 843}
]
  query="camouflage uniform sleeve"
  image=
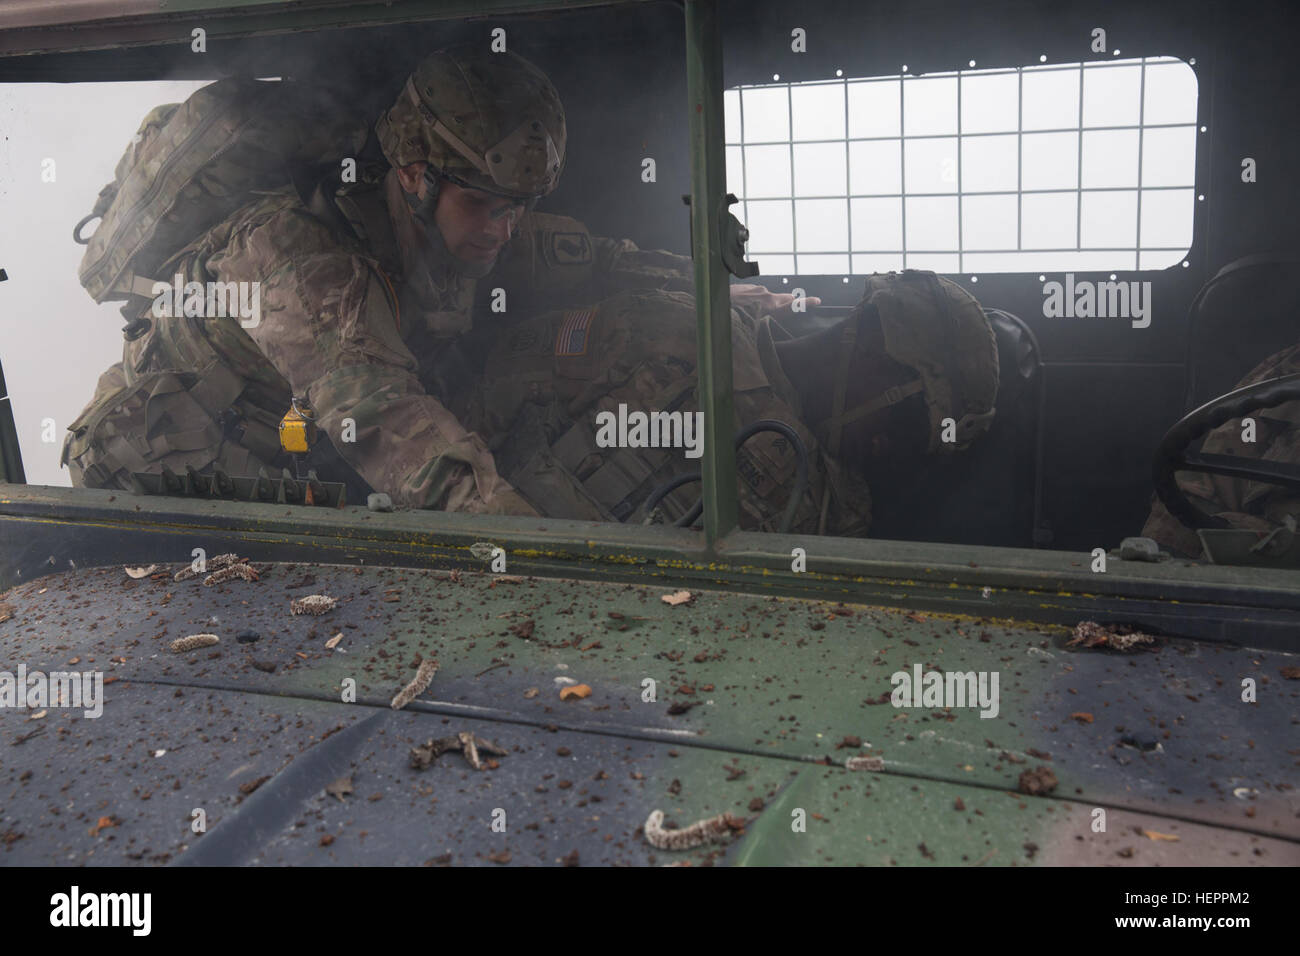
[
  {"x": 327, "y": 324},
  {"x": 619, "y": 265}
]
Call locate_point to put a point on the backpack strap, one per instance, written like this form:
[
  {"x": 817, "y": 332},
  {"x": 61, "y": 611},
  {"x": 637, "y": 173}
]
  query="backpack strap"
[
  {"x": 362, "y": 214},
  {"x": 839, "y": 418},
  {"x": 835, "y": 426}
]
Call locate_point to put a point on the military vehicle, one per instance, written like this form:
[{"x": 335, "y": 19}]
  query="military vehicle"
[{"x": 267, "y": 668}]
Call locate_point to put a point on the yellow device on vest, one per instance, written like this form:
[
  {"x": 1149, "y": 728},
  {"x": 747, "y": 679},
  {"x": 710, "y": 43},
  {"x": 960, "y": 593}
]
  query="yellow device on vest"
[{"x": 298, "y": 428}]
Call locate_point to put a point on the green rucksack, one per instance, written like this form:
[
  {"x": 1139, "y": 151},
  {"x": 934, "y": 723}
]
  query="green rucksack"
[{"x": 192, "y": 164}]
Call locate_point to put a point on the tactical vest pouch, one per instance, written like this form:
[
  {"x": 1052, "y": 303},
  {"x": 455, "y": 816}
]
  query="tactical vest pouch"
[
  {"x": 193, "y": 164},
  {"x": 177, "y": 419},
  {"x": 529, "y": 462},
  {"x": 621, "y": 479}
]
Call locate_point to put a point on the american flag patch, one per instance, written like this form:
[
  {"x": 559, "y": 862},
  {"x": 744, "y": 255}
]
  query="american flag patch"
[{"x": 572, "y": 337}]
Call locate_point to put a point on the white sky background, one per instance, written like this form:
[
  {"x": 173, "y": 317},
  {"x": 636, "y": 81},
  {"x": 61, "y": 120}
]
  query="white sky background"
[{"x": 54, "y": 340}]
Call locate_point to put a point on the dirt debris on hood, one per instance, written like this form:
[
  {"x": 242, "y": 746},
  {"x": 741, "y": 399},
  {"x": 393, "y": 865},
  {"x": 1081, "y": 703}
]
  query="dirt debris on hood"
[
  {"x": 194, "y": 642},
  {"x": 865, "y": 763},
  {"x": 470, "y": 745},
  {"x": 1039, "y": 780},
  {"x": 231, "y": 571},
  {"x": 422, "y": 679},
  {"x": 1116, "y": 637},
  {"x": 313, "y": 604},
  {"x": 210, "y": 565},
  {"x": 713, "y": 830},
  {"x": 340, "y": 788}
]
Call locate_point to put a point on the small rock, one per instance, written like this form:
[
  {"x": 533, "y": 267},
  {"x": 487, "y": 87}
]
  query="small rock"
[
  {"x": 483, "y": 550},
  {"x": 379, "y": 502},
  {"x": 1139, "y": 549},
  {"x": 247, "y": 637}
]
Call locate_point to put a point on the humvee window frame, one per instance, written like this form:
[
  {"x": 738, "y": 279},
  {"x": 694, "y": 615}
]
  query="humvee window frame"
[{"x": 1214, "y": 602}]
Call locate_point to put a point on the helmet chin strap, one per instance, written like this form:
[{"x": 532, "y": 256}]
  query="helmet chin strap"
[{"x": 439, "y": 256}]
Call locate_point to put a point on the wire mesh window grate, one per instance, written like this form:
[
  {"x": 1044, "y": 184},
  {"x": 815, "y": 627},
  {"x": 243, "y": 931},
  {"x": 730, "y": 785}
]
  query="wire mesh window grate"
[{"x": 1083, "y": 166}]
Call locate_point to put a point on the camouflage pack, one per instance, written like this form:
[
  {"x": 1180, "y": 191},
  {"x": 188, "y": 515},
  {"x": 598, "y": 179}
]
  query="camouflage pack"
[{"x": 192, "y": 164}]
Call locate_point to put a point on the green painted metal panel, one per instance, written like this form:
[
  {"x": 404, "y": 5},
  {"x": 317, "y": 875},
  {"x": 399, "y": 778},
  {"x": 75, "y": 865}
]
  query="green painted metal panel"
[
  {"x": 775, "y": 692},
  {"x": 712, "y": 293},
  {"x": 1255, "y": 606},
  {"x": 173, "y": 20},
  {"x": 734, "y": 676}
]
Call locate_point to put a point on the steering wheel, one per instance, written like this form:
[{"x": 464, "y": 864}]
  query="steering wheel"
[{"x": 1171, "y": 454}]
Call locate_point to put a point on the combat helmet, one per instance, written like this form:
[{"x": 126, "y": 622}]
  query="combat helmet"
[
  {"x": 936, "y": 328},
  {"x": 490, "y": 121}
]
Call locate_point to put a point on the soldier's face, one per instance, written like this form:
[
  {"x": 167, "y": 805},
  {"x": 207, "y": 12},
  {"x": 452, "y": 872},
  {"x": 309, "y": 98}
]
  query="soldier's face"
[{"x": 475, "y": 225}]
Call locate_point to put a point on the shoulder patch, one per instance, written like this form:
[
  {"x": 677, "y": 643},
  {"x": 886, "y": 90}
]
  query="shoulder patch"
[
  {"x": 568, "y": 248},
  {"x": 571, "y": 340}
]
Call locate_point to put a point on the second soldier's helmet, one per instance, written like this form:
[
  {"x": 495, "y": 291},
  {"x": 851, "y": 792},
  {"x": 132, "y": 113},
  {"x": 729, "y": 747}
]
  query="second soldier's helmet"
[
  {"x": 489, "y": 121},
  {"x": 938, "y": 330}
]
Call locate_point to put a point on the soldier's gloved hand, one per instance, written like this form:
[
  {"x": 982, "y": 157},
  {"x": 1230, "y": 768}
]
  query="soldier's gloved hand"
[{"x": 758, "y": 298}]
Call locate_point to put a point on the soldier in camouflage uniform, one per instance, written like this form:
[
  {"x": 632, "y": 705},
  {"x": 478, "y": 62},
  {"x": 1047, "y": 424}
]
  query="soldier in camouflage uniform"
[
  {"x": 378, "y": 296},
  {"x": 916, "y": 359},
  {"x": 1253, "y": 505},
  {"x": 365, "y": 288}
]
